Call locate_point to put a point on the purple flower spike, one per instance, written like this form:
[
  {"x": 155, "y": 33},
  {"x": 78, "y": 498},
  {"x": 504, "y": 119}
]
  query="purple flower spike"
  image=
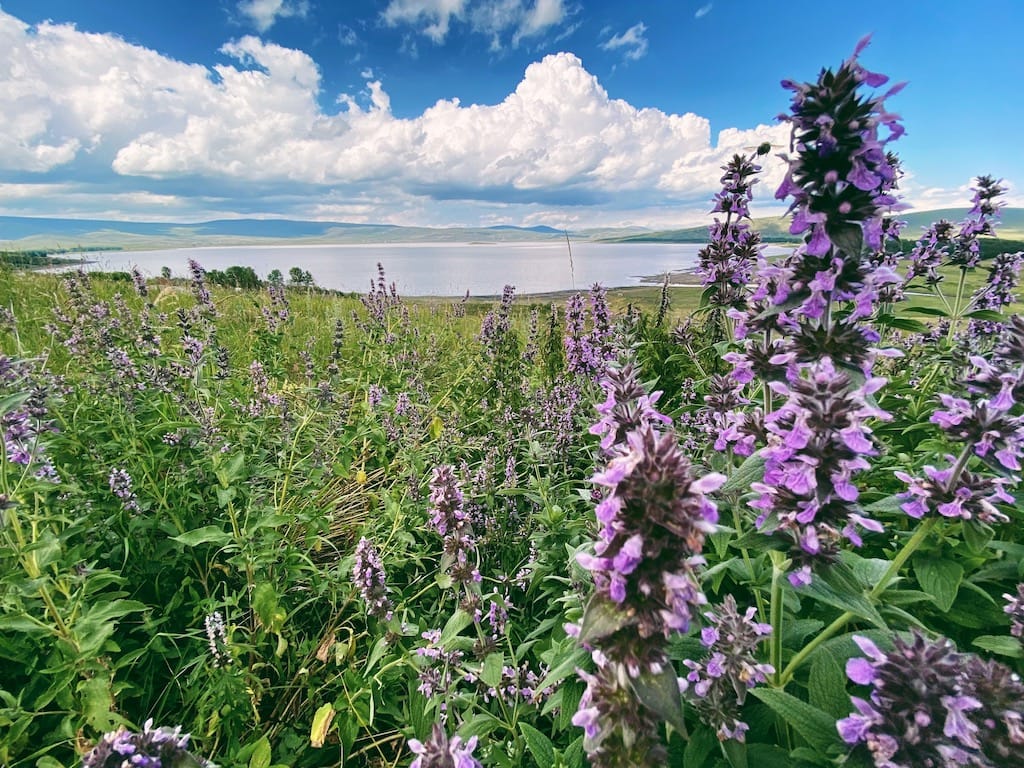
[
  {"x": 370, "y": 579},
  {"x": 817, "y": 440},
  {"x": 654, "y": 517},
  {"x": 718, "y": 686},
  {"x": 441, "y": 752},
  {"x": 452, "y": 523},
  {"x": 153, "y": 748},
  {"x": 932, "y": 706}
]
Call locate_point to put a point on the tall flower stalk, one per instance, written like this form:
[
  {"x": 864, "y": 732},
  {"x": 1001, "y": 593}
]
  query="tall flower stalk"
[
  {"x": 818, "y": 360},
  {"x": 653, "y": 517}
]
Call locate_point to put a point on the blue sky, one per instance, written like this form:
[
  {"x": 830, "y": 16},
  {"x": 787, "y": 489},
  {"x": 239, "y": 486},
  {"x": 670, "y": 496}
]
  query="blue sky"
[{"x": 568, "y": 113}]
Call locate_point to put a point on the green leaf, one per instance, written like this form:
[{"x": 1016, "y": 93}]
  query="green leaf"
[
  {"x": 888, "y": 504},
  {"x": 573, "y": 754},
  {"x": 490, "y": 672},
  {"x": 660, "y": 694},
  {"x": 11, "y": 402},
  {"x": 987, "y": 315},
  {"x": 97, "y": 703},
  {"x": 540, "y": 746},
  {"x": 225, "y": 496},
  {"x": 1004, "y": 645},
  {"x": 454, "y": 626},
  {"x": 600, "y": 619},
  {"x": 699, "y": 747},
  {"x": 977, "y": 535},
  {"x": 902, "y": 323},
  {"x": 735, "y": 753},
  {"x": 933, "y": 311},
  {"x": 479, "y": 725},
  {"x": 209, "y": 534},
  {"x": 376, "y": 653},
  {"x": 940, "y": 578},
  {"x": 750, "y": 471},
  {"x": 567, "y": 666},
  {"x": 817, "y": 728},
  {"x": 867, "y": 571},
  {"x": 261, "y": 754},
  {"x": 768, "y": 756},
  {"x": 265, "y": 604},
  {"x": 826, "y": 685},
  {"x": 843, "y": 599}
]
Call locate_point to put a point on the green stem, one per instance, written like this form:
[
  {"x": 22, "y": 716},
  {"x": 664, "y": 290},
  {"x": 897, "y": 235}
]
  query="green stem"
[
  {"x": 778, "y": 572},
  {"x": 954, "y": 321},
  {"x": 843, "y": 619},
  {"x": 738, "y": 525}
]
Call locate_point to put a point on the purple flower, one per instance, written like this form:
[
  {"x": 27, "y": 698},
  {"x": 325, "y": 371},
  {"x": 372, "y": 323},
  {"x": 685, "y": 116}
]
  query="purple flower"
[
  {"x": 121, "y": 485},
  {"x": 1015, "y": 609},
  {"x": 617, "y": 730},
  {"x": 627, "y": 407},
  {"x": 920, "y": 710},
  {"x": 199, "y": 289},
  {"x": 840, "y": 174},
  {"x": 450, "y": 520},
  {"x": 719, "y": 685},
  {"x": 967, "y": 496},
  {"x": 817, "y": 441},
  {"x": 153, "y": 748},
  {"x": 374, "y": 395},
  {"x": 727, "y": 262},
  {"x": 655, "y": 516},
  {"x": 1000, "y": 718},
  {"x": 441, "y": 752},
  {"x": 984, "y": 425},
  {"x": 1003, "y": 277},
  {"x": 370, "y": 579}
]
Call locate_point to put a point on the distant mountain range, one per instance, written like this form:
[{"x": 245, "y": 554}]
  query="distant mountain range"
[
  {"x": 27, "y": 233},
  {"x": 776, "y": 229},
  {"x": 18, "y": 232}
]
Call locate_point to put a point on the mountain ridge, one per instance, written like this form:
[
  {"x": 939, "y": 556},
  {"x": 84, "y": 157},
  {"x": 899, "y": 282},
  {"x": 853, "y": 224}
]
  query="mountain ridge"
[{"x": 25, "y": 232}]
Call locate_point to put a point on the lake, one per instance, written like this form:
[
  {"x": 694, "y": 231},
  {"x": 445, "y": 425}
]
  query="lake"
[{"x": 431, "y": 269}]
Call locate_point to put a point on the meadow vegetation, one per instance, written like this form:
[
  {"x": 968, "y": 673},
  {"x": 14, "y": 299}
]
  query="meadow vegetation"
[{"x": 772, "y": 521}]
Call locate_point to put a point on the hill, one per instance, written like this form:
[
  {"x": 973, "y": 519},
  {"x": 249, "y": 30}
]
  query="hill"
[
  {"x": 775, "y": 229},
  {"x": 27, "y": 233}
]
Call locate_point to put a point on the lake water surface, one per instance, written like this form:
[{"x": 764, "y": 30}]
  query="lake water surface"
[{"x": 431, "y": 269}]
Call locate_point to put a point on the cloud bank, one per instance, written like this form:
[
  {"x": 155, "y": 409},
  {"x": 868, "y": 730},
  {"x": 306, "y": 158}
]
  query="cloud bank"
[
  {"x": 92, "y": 110},
  {"x": 497, "y": 19}
]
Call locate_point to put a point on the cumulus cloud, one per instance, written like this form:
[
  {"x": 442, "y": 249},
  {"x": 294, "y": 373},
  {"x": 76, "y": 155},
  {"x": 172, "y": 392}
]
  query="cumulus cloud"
[
  {"x": 632, "y": 42},
  {"x": 497, "y": 19},
  {"x": 262, "y": 14},
  {"x": 557, "y": 140}
]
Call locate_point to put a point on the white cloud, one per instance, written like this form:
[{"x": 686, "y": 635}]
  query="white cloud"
[
  {"x": 436, "y": 13},
  {"x": 347, "y": 36},
  {"x": 496, "y": 19},
  {"x": 262, "y": 14},
  {"x": 632, "y": 41},
  {"x": 131, "y": 121},
  {"x": 703, "y": 11}
]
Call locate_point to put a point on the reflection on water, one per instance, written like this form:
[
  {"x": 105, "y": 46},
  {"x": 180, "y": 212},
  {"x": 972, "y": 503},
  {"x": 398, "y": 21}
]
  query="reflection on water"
[{"x": 422, "y": 269}]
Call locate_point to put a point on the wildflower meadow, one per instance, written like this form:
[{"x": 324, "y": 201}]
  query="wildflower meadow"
[{"x": 280, "y": 527}]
